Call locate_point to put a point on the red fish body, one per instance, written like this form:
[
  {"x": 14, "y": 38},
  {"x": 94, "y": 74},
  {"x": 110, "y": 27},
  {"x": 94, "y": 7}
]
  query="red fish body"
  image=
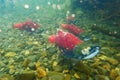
[
  {"x": 28, "y": 25},
  {"x": 65, "y": 40},
  {"x": 72, "y": 28},
  {"x": 31, "y": 24},
  {"x": 18, "y": 25}
]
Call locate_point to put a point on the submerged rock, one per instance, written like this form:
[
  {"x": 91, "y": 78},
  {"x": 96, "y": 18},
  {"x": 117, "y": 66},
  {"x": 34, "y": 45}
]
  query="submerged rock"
[
  {"x": 68, "y": 77},
  {"x": 76, "y": 76},
  {"x": 101, "y": 70},
  {"x": 101, "y": 77},
  {"x": 26, "y": 63},
  {"x": 83, "y": 68},
  {"x": 114, "y": 73},
  {"x": 117, "y": 56},
  {"x": 10, "y": 54},
  {"x": 55, "y": 76},
  {"x": 6, "y": 77},
  {"x": 118, "y": 78},
  {"x": 2, "y": 64},
  {"x": 41, "y": 72},
  {"x": 110, "y": 60},
  {"x": 57, "y": 68},
  {"x": 26, "y": 75}
]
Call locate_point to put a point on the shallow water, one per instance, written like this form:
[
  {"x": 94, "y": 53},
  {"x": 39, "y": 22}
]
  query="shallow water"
[{"x": 24, "y": 54}]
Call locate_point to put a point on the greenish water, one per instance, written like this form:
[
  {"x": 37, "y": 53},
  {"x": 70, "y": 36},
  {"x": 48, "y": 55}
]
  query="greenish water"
[{"x": 22, "y": 51}]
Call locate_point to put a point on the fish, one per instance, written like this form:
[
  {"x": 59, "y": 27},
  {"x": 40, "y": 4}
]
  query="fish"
[
  {"x": 72, "y": 47},
  {"x": 84, "y": 54},
  {"x": 89, "y": 52},
  {"x": 28, "y": 25},
  {"x": 65, "y": 40},
  {"x": 79, "y": 53},
  {"x": 92, "y": 52},
  {"x": 72, "y": 28}
]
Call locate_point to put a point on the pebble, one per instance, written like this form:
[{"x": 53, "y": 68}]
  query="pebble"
[
  {"x": 76, "y": 76},
  {"x": 2, "y": 64},
  {"x": 31, "y": 65},
  {"x": 118, "y": 78},
  {"x": 7, "y": 77},
  {"x": 19, "y": 58},
  {"x": 11, "y": 71},
  {"x": 55, "y": 76},
  {"x": 55, "y": 63},
  {"x": 26, "y": 62},
  {"x": 57, "y": 68},
  {"x": 101, "y": 77},
  {"x": 10, "y": 54},
  {"x": 101, "y": 70},
  {"x": 33, "y": 58},
  {"x": 110, "y": 60},
  {"x": 113, "y": 73},
  {"x": 26, "y": 75},
  {"x": 68, "y": 77}
]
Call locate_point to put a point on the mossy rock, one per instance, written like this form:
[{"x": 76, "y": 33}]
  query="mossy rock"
[
  {"x": 54, "y": 76},
  {"x": 26, "y": 75}
]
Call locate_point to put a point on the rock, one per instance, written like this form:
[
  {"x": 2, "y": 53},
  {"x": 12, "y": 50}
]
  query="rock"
[
  {"x": 101, "y": 70},
  {"x": 26, "y": 75},
  {"x": 2, "y": 64},
  {"x": 55, "y": 63},
  {"x": 52, "y": 50},
  {"x": 68, "y": 77},
  {"x": 5, "y": 61},
  {"x": 101, "y": 77},
  {"x": 40, "y": 72},
  {"x": 31, "y": 65},
  {"x": 55, "y": 76},
  {"x": 117, "y": 56},
  {"x": 45, "y": 59},
  {"x": 27, "y": 52},
  {"x": 113, "y": 74},
  {"x": 11, "y": 71},
  {"x": 33, "y": 58},
  {"x": 76, "y": 76},
  {"x": 110, "y": 60},
  {"x": 82, "y": 68},
  {"x": 11, "y": 61},
  {"x": 81, "y": 76},
  {"x": 19, "y": 58},
  {"x": 35, "y": 42},
  {"x": 43, "y": 54},
  {"x": 3, "y": 70},
  {"x": 26, "y": 62},
  {"x": 96, "y": 64},
  {"x": 6, "y": 77},
  {"x": 118, "y": 78},
  {"x": 106, "y": 66},
  {"x": 57, "y": 68},
  {"x": 10, "y": 54},
  {"x": 118, "y": 66}
]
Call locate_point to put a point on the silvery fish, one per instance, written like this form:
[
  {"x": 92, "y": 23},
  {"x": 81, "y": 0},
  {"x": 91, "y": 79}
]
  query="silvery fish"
[
  {"x": 89, "y": 52},
  {"x": 81, "y": 54}
]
